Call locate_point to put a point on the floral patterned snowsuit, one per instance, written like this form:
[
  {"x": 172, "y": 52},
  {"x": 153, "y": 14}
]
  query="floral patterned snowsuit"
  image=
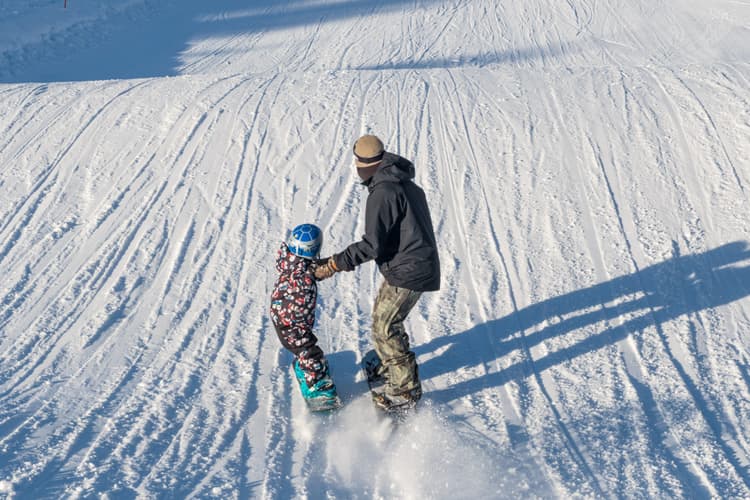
[{"x": 293, "y": 312}]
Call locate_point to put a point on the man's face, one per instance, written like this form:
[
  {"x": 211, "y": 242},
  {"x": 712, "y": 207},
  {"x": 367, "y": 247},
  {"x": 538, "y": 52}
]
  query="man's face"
[{"x": 365, "y": 173}]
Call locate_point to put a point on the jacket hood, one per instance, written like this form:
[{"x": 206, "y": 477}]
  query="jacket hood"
[
  {"x": 290, "y": 264},
  {"x": 394, "y": 168}
]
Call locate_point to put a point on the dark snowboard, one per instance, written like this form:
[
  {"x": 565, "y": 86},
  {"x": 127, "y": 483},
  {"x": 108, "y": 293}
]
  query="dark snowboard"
[{"x": 376, "y": 381}]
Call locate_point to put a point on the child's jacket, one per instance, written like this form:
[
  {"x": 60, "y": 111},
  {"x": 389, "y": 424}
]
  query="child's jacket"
[{"x": 294, "y": 296}]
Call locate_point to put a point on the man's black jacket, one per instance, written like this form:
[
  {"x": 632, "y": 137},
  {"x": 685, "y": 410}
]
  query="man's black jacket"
[{"x": 398, "y": 230}]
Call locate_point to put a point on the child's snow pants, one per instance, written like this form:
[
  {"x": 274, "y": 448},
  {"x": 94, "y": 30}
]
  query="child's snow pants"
[{"x": 301, "y": 342}]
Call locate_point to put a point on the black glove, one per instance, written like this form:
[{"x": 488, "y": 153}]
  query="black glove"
[{"x": 325, "y": 268}]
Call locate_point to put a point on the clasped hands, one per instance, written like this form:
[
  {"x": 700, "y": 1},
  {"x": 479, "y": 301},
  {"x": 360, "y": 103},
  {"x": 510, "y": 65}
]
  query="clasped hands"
[{"x": 324, "y": 268}]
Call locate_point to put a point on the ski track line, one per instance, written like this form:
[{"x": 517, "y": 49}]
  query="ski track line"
[
  {"x": 90, "y": 272},
  {"x": 634, "y": 369},
  {"x": 650, "y": 407},
  {"x": 281, "y": 405},
  {"x": 739, "y": 75},
  {"x": 152, "y": 436},
  {"x": 187, "y": 472},
  {"x": 583, "y": 20},
  {"x": 39, "y": 187},
  {"x": 118, "y": 383},
  {"x": 32, "y": 210},
  {"x": 685, "y": 194},
  {"x": 457, "y": 200},
  {"x": 305, "y": 53},
  {"x": 513, "y": 420},
  {"x": 525, "y": 398},
  {"x": 701, "y": 349},
  {"x": 571, "y": 444},
  {"x": 337, "y": 152},
  {"x": 100, "y": 273},
  {"x": 500, "y": 398},
  {"x": 153, "y": 404},
  {"x": 458, "y": 197},
  {"x": 73, "y": 437},
  {"x": 203, "y": 260},
  {"x": 27, "y": 102},
  {"x": 189, "y": 409},
  {"x": 419, "y": 119},
  {"x": 15, "y": 297},
  {"x": 450, "y": 18},
  {"x": 112, "y": 261},
  {"x": 529, "y": 368},
  {"x": 353, "y": 30},
  {"x": 232, "y": 434},
  {"x": 729, "y": 450},
  {"x": 166, "y": 406},
  {"x": 659, "y": 430},
  {"x": 744, "y": 369},
  {"x": 497, "y": 32},
  {"x": 10, "y": 89},
  {"x": 236, "y": 435},
  {"x": 222, "y": 330},
  {"x": 216, "y": 52},
  {"x": 437, "y": 177},
  {"x": 227, "y": 323},
  {"x": 340, "y": 198},
  {"x": 79, "y": 370},
  {"x": 15, "y": 127},
  {"x": 593, "y": 236},
  {"x": 345, "y": 199},
  {"x": 279, "y": 441},
  {"x": 135, "y": 358},
  {"x": 705, "y": 322},
  {"x": 184, "y": 116},
  {"x": 65, "y": 251},
  {"x": 729, "y": 437},
  {"x": 713, "y": 128},
  {"x": 707, "y": 373}
]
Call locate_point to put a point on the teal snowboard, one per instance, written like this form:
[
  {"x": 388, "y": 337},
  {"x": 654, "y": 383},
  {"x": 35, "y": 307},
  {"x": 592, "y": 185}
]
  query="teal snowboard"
[{"x": 322, "y": 398}]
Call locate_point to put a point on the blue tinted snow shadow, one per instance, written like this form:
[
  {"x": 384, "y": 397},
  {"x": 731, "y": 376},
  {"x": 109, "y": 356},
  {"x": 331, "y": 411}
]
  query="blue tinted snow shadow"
[
  {"x": 477, "y": 60},
  {"x": 680, "y": 286},
  {"x": 652, "y": 297},
  {"x": 147, "y": 41}
]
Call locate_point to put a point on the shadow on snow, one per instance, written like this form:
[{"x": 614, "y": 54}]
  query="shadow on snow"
[
  {"x": 478, "y": 60},
  {"x": 648, "y": 299},
  {"x": 148, "y": 41},
  {"x": 680, "y": 286}
]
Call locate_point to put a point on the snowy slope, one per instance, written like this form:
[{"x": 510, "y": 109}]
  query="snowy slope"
[{"x": 588, "y": 169}]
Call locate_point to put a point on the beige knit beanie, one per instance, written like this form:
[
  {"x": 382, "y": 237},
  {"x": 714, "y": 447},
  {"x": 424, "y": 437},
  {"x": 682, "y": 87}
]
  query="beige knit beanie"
[{"x": 368, "y": 151}]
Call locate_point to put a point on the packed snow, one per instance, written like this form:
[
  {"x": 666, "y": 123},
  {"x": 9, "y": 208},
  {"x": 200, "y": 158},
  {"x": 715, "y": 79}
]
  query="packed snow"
[{"x": 587, "y": 165}]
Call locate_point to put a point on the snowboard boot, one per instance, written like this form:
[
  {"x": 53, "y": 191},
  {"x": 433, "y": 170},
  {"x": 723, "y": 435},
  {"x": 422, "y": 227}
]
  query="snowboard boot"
[
  {"x": 322, "y": 388},
  {"x": 398, "y": 403}
]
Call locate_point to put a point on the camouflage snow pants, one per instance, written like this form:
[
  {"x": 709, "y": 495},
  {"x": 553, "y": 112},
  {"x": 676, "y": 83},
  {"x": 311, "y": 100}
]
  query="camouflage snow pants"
[{"x": 391, "y": 340}]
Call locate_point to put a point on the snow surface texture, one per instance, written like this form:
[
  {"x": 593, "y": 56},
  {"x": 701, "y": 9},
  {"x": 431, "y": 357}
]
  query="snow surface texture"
[{"x": 587, "y": 163}]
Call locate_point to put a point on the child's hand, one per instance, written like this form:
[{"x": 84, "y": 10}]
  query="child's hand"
[{"x": 324, "y": 269}]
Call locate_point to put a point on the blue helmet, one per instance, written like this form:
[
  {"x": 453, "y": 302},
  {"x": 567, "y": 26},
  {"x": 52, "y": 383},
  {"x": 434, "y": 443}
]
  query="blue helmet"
[{"x": 306, "y": 240}]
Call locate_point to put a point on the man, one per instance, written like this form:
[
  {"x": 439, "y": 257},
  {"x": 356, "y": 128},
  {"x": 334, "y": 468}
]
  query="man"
[{"x": 399, "y": 237}]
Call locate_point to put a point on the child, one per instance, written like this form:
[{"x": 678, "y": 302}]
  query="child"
[{"x": 293, "y": 310}]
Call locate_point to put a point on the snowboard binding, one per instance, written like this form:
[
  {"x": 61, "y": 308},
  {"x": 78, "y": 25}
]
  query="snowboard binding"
[
  {"x": 399, "y": 405},
  {"x": 322, "y": 395}
]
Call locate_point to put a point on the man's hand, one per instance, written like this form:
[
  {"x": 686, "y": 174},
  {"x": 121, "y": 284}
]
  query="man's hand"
[{"x": 325, "y": 268}]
